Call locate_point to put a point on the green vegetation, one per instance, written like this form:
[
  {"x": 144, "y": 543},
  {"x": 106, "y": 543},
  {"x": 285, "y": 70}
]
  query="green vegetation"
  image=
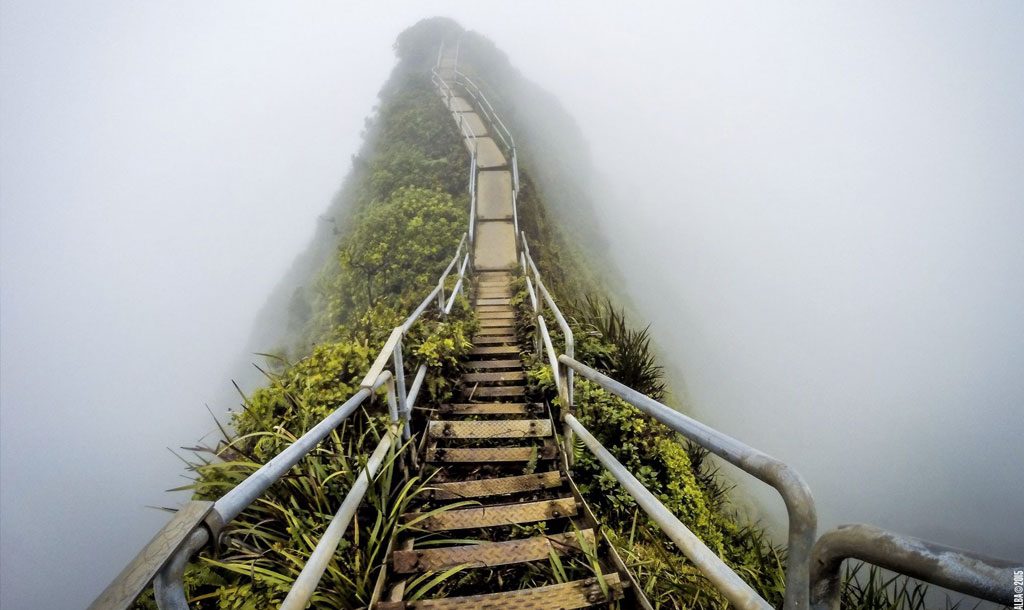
[
  {"x": 407, "y": 208},
  {"x": 399, "y": 218}
]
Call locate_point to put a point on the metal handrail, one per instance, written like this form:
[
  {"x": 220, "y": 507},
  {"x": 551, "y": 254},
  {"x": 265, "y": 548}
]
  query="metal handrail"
[
  {"x": 787, "y": 481},
  {"x": 976, "y": 575},
  {"x": 162, "y": 561},
  {"x": 707, "y": 561}
]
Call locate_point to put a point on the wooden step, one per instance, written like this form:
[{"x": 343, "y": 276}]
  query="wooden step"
[
  {"x": 495, "y": 515},
  {"x": 498, "y": 486},
  {"x": 496, "y": 301},
  {"x": 491, "y": 554},
  {"x": 486, "y": 455},
  {"x": 495, "y": 339},
  {"x": 491, "y": 408},
  {"x": 493, "y": 364},
  {"x": 492, "y": 428},
  {"x": 494, "y": 377},
  {"x": 498, "y": 350},
  {"x": 478, "y": 391}
]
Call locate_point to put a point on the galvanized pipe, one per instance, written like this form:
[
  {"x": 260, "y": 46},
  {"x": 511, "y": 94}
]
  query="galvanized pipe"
[
  {"x": 305, "y": 585},
  {"x": 400, "y": 394},
  {"x": 983, "y": 577},
  {"x": 787, "y": 481},
  {"x": 231, "y": 504},
  {"x": 550, "y": 349},
  {"x": 414, "y": 389},
  {"x": 739, "y": 593},
  {"x": 168, "y": 584}
]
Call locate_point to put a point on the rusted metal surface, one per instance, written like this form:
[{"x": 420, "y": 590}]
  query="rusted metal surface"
[
  {"x": 502, "y": 350},
  {"x": 566, "y": 596},
  {"x": 494, "y": 428},
  {"x": 983, "y": 577},
  {"x": 493, "y": 364},
  {"x": 458, "y": 490},
  {"x": 507, "y": 376},
  {"x": 496, "y": 516},
  {"x": 496, "y": 315},
  {"x": 499, "y": 323},
  {"x": 479, "y": 392},
  {"x": 495, "y": 340},
  {"x": 490, "y": 554},
  {"x": 134, "y": 578},
  {"x": 485, "y": 455},
  {"x": 494, "y": 408}
]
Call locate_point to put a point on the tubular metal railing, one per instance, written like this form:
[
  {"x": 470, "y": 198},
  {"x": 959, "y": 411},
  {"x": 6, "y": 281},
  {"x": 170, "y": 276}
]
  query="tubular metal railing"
[
  {"x": 809, "y": 582},
  {"x": 198, "y": 523}
]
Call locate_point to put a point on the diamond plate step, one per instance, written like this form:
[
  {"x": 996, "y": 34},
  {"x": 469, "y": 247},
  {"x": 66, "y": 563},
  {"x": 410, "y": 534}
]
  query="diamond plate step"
[
  {"x": 500, "y": 350},
  {"x": 499, "y": 486},
  {"x": 494, "y": 377},
  {"x": 495, "y": 428},
  {"x": 495, "y": 339},
  {"x": 495, "y": 516},
  {"x": 491, "y": 554},
  {"x": 496, "y": 315},
  {"x": 486, "y": 455},
  {"x": 494, "y": 364},
  {"x": 491, "y": 408},
  {"x": 493, "y": 391},
  {"x": 567, "y": 596}
]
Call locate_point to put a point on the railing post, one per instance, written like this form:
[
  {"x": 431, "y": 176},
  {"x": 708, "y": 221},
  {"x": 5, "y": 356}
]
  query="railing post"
[
  {"x": 440, "y": 296},
  {"x": 402, "y": 406}
]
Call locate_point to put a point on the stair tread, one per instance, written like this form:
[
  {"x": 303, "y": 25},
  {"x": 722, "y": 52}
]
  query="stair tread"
[
  {"x": 497, "y": 486},
  {"x": 495, "y": 339},
  {"x": 493, "y": 364},
  {"x": 494, "y": 377},
  {"x": 491, "y": 408},
  {"x": 479, "y": 391},
  {"x": 490, "y": 554},
  {"x": 486, "y": 455},
  {"x": 494, "y": 350},
  {"x": 492, "y": 428},
  {"x": 495, "y": 515}
]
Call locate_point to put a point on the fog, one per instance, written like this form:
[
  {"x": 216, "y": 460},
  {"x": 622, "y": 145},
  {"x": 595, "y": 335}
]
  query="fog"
[{"x": 818, "y": 209}]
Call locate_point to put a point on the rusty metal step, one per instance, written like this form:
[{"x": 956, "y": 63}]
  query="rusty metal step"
[
  {"x": 496, "y": 315},
  {"x": 495, "y": 515},
  {"x": 499, "y": 350},
  {"x": 478, "y": 391},
  {"x": 566, "y": 596},
  {"x": 491, "y": 554},
  {"x": 496, "y": 323},
  {"x": 496, "y": 332},
  {"x": 486, "y": 455},
  {"x": 498, "y": 486},
  {"x": 493, "y": 428},
  {"x": 507, "y": 376},
  {"x": 494, "y": 339},
  {"x": 493, "y": 364},
  {"x": 491, "y": 408}
]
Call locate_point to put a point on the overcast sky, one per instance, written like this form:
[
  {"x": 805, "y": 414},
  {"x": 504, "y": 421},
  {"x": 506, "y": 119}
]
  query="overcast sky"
[{"x": 822, "y": 208}]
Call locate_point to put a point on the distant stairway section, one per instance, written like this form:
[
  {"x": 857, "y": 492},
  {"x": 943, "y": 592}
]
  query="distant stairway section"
[{"x": 494, "y": 247}]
